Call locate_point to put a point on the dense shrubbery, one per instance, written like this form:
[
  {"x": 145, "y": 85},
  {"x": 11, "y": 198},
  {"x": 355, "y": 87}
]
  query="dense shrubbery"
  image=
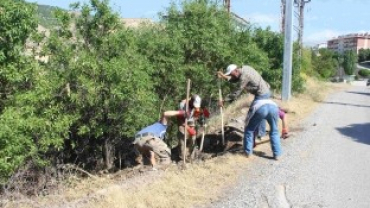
[
  {"x": 349, "y": 62},
  {"x": 104, "y": 81},
  {"x": 363, "y": 55},
  {"x": 364, "y": 73},
  {"x": 324, "y": 63},
  {"x": 18, "y": 75}
]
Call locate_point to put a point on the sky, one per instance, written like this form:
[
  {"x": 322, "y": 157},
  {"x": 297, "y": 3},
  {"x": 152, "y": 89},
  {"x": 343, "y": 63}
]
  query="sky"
[{"x": 324, "y": 19}]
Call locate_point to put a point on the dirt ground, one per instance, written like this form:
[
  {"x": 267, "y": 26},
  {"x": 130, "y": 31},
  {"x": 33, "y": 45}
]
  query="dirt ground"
[{"x": 193, "y": 185}]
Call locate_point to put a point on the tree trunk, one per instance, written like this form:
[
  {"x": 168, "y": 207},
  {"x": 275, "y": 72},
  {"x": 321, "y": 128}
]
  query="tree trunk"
[{"x": 107, "y": 154}]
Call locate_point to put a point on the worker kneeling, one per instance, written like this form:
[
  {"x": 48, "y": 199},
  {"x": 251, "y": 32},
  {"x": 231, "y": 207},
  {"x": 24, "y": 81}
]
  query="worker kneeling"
[{"x": 150, "y": 145}]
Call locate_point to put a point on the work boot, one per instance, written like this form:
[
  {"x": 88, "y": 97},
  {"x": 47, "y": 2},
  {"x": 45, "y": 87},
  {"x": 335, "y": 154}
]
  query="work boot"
[
  {"x": 277, "y": 158},
  {"x": 153, "y": 169},
  {"x": 246, "y": 155}
]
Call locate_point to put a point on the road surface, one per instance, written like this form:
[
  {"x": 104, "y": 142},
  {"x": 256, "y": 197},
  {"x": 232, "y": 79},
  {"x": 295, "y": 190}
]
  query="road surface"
[{"x": 327, "y": 164}]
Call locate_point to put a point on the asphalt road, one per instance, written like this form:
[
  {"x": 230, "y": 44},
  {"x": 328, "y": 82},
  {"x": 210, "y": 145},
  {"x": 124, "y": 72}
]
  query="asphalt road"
[{"x": 327, "y": 164}]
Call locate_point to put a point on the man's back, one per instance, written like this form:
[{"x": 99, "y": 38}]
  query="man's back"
[
  {"x": 253, "y": 82},
  {"x": 157, "y": 129}
]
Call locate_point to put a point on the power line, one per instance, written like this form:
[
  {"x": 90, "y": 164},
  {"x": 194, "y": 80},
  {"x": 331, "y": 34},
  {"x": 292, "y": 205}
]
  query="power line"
[{"x": 299, "y": 4}]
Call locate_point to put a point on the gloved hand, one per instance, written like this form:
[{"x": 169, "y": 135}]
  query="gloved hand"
[{"x": 191, "y": 130}]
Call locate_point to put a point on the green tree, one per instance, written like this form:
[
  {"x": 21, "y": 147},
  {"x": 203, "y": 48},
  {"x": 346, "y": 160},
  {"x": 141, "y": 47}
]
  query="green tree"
[
  {"x": 339, "y": 63},
  {"x": 31, "y": 126},
  {"x": 307, "y": 65},
  {"x": 17, "y": 22},
  {"x": 196, "y": 27},
  {"x": 324, "y": 63},
  {"x": 349, "y": 62},
  {"x": 363, "y": 55},
  {"x": 186, "y": 45},
  {"x": 111, "y": 93},
  {"x": 272, "y": 45}
]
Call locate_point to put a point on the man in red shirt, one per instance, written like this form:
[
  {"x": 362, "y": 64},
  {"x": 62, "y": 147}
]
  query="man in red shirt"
[{"x": 195, "y": 115}]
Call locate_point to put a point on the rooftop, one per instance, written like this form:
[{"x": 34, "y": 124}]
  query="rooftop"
[{"x": 353, "y": 35}]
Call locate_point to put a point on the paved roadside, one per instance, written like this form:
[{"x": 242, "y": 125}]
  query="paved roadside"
[{"x": 325, "y": 165}]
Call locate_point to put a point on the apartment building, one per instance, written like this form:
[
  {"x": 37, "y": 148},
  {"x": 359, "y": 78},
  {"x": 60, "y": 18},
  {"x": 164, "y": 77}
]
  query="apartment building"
[{"x": 355, "y": 41}]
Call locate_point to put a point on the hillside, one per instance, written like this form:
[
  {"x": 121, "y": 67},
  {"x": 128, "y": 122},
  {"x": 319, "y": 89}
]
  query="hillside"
[{"x": 45, "y": 15}]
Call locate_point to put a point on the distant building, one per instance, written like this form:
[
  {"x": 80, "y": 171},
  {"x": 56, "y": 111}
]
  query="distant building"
[
  {"x": 322, "y": 45},
  {"x": 355, "y": 42},
  {"x": 317, "y": 47}
]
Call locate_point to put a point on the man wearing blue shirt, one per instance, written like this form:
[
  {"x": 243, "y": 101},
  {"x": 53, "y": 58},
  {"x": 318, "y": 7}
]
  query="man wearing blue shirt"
[{"x": 149, "y": 141}]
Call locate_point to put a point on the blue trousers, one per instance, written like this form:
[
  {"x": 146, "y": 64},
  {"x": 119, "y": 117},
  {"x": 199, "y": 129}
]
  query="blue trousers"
[
  {"x": 270, "y": 113},
  {"x": 261, "y": 130}
]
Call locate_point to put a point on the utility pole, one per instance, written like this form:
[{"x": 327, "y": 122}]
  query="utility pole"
[
  {"x": 282, "y": 21},
  {"x": 301, "y": 5},
  {"x": 287, "y": 11},
  {"x": 288, "y": 51},
  {"x": 227, "y": 5}
]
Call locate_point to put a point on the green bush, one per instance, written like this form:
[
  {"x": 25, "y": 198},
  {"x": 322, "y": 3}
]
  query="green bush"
[
  {"x": 324, "y": 63},
  {"x": 364, "y": 73},
  {"x": 349, "y": 62},
  {"x": 104, "y": 81}
]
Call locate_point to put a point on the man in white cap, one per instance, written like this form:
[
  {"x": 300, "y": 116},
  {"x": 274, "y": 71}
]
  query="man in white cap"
[
  {"x": 261, "y": 107},
  {"x": 194, "y": 114},
  {"x": 249, "y": 79}
]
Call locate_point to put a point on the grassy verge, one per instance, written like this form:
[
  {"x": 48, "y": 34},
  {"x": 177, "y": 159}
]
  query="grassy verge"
[{"x": 194, "y": 186}]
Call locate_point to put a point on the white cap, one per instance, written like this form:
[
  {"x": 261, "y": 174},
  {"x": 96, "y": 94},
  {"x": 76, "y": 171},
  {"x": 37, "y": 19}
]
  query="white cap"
[
  {"x": 230, "y": 69},
  {"x": 197, "y": 101}
]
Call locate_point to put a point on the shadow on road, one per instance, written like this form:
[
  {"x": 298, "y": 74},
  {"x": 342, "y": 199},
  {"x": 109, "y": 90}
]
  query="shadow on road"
[
  {"x": 350, "y": 104},
  {"x": 357, "y": 132},
  {"x": 360, "y": 93},
  {"x": 262, "y": 154}
]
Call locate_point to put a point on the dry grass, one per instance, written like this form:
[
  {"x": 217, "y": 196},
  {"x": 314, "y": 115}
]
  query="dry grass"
[
  {"x": 72, "y": 190},
  {"x": 195, "y": 185},
  {"x": 191, "y": 187},
  {"x": 233, "y": 110}
]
